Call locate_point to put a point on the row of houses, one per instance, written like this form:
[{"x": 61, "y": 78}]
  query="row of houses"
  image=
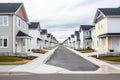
[
  {"x": 18, "y": 34},
  {"x": 103, "y": 35}
]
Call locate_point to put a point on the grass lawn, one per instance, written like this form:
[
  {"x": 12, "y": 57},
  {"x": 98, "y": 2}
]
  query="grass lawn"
[
  {"x": 109, "y": 58},
  {"x": 14, "y": 60},
  {"x": 85, "y": 50},
  {"x": 39, "y": 51}
]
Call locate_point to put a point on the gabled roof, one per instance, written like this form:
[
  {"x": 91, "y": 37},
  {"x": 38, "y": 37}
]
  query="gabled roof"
[
  {"x": 22, "y": 34},
  {"x": 110, "y": 11},
  {"x": 9, "y": 7},
  {"x": 86, "y": 27},
  {"x": 33, "y": 25},
  {"x": 43, "y": 31}
]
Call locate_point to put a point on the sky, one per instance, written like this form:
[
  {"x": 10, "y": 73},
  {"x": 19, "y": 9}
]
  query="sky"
[{"x": 62, "y": 17}]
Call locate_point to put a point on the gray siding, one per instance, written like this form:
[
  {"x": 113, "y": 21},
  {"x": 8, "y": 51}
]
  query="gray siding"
[{"x": 7, "y": 31}]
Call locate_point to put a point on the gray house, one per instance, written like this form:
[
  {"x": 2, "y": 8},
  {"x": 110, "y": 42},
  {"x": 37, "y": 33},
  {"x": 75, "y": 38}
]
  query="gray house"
[
  {"x": 13, "y": 28},
  {"x": 77, "y": 39},
  {"x": 85, "y": 36}
]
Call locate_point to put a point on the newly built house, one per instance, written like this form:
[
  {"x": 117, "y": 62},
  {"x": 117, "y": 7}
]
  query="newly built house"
[
  {"x": 77, "y": 39},
  {"x": 85, "y": 36},
  {"x": 43, "y": 35},
  {"x": 14, "y": 23},
  {"x": 107, "y": 29},
  {"x": 34, "y": 31}
]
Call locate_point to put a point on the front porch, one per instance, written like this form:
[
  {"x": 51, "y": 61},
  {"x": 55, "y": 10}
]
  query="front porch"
[
  {"x": 110, "y": 42},
  {"x": 22, "y": 40}
]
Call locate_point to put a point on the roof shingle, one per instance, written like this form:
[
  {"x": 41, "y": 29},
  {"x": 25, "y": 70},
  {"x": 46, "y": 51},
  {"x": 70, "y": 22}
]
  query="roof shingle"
[{"x": 9, "y": 7}]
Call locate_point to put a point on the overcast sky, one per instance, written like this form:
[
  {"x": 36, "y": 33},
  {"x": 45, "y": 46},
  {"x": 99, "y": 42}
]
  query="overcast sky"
[{"x": 63, "y": 17}]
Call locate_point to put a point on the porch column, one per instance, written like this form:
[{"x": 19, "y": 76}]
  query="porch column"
[
  {"x": 30, "y": 46},
  {"x": 106, "y": 44},
  {"x": 26, "y": 46}
]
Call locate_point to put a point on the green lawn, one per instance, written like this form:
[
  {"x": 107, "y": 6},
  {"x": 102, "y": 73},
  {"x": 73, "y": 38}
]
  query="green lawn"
[
  {"x": 39, "y": 51},
  {"x": 9, "y": 59},
  {"x": 114, "y": 59},
  {"x": 14, "y": 60},
  {"x": 106, "y": 57},
  {"x": 85, "y": 50}
]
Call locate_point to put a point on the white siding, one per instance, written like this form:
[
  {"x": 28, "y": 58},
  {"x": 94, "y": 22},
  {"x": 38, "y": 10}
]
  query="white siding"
[{"x": 113, "y": 25}]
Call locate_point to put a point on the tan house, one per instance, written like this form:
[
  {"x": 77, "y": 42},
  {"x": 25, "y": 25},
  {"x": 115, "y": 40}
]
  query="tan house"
[
  {"x": 13, "y": 28},
  {"x": 107, "y": 29}
]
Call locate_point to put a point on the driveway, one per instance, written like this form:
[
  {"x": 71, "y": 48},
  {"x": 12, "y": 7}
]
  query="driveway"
[{"x": 67, "y": 59}]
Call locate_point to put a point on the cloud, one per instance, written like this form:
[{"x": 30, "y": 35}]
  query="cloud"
[{"x": 63, "y": 17}]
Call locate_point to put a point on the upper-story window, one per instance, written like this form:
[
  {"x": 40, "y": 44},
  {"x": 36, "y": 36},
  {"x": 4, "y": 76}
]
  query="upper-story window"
[
  {"x": 21, "y": 23},
  {"x": 3, "y": 20}
]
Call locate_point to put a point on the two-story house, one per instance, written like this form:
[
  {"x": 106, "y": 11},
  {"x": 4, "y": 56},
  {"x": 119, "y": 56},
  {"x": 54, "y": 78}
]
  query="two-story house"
[
  {"x": 85, "y": 36},
  {"x": 13, "y": 28},
  {"x": 72, "y": 41},
  {"x": 49, "y": 40},
  {"x": 107, "y": 29},
  {"x": 77, "y": 39},
  {"x": 43, "y": 35},
  {"x": 34, "y": 31}
]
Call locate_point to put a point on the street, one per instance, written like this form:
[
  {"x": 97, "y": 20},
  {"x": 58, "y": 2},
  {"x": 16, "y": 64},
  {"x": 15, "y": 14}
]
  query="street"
[
  {"x": 64, "y": 58},
  {"x": 61, "y": 77}
]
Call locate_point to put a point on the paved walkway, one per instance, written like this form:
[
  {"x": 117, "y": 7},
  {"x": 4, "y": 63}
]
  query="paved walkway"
[{"x": 67, "y": 59}]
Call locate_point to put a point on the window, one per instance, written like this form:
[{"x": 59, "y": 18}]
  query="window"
[
  {"x": 21, "y": 23},
  {"x": 87, "y": 33},
  {"x": 18, "y": 22},
  {"x": 3, "y": 20},
  {"x": 3, "y": 42}
]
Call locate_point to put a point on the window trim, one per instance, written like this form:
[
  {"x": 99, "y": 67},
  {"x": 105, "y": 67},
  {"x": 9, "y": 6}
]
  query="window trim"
[
  {"x": 3, "y": 20},
  {"x": 4, "y": 37}
]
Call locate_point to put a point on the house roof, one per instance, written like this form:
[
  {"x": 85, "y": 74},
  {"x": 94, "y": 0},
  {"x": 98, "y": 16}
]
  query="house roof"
[
  {"x": 89, "y": 38},
  {"x": 39, "y": 39},
  {"x": 22, "y": 34},
  {"x": 43, "y": 31},
  {"x": 109, "y": 34},
  {"x": 72, "y": 35},
  {"x": 86, "y": 27},
  {"x": 33, "y": 25},
  {"x": 48, "y": 35},
  {"x": 110, "y": 11},
  {"x": 9, "y": 7}
]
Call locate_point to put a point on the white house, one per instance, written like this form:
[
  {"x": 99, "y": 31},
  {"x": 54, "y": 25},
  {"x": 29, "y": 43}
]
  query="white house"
[
  {"x": 34, "y": 31},
  {"x": 43, "y": 35}
]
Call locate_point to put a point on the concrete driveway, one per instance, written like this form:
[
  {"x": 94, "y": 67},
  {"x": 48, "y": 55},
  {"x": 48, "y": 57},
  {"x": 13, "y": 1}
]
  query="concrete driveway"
[{"x": 67, "y": 59}]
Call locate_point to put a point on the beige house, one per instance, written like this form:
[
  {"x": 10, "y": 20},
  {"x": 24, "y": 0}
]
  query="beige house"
[
  {"x": 13, "y": 28},
  {"x": 107, "y": 29}
]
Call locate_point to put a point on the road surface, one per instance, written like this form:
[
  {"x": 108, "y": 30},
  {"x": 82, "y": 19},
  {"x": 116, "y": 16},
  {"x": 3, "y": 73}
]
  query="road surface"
[
  {"x": 65, "y": 58},
  {"x": 61, "y": 77}
]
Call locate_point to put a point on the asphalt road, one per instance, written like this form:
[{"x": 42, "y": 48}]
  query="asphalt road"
[
  {"x": 65, "y": 58},
  {"x": 61, "y": 77}
]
